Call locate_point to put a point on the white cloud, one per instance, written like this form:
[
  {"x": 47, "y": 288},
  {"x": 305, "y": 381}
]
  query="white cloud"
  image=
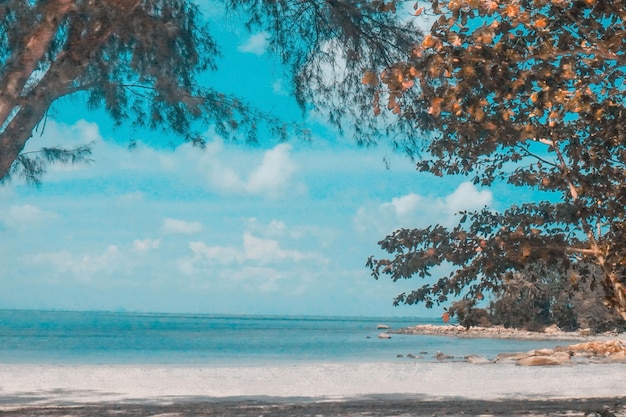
[
  {"x": 268, "y": 250},
  {"x": 404, "y": 205},
  {"x": 272, "y": 177},
  {"x": 255, "y": 44},
  {"x": 254, "y": 250},
  {"x": 84, "y": 267},
  {"x": 19, "y": 216},
  {"x": 468, "y": 197},
  {"x": 219, "y": 254},
  {"x": 413, "y": 210},
  {"x": 176, "y": 226},
  {"x": 146, "y": 244}
]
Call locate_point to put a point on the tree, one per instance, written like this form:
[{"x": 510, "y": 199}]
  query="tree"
[
  {"x": 140, "y": 60},
  {"x": 531, "y": 93},
  {"x": 327, "y": 45}
]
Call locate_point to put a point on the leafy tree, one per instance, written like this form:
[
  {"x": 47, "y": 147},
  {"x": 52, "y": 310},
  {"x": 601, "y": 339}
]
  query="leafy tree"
[
  {"x": 140, "y": 60},
  {"x": 531, "y": 93},
  {"x": 327, "y": 45}
]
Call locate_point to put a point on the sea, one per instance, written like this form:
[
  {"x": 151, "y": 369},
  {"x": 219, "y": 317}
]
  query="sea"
[{"x": 121, "y": 338}]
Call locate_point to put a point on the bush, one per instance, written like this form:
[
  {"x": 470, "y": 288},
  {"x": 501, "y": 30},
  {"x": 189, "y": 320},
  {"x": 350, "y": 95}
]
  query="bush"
[{"x": 540, "y": 296}]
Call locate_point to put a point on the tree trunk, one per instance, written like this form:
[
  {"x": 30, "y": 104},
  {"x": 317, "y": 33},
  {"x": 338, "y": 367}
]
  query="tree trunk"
[
  {"x": 36, "y": 103},
  {"x": 617, "y": 292},
  {"x": 34, "y": 47},
  {"x": 27, "y": 108}
]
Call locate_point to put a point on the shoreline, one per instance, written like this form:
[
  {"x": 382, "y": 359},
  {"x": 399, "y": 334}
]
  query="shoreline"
[
  {"x": 355, "y": 389},
  {"x": 501, "y": 332}
]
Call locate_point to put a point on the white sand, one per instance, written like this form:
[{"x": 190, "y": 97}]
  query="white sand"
[{"x": 51, "y": 384}]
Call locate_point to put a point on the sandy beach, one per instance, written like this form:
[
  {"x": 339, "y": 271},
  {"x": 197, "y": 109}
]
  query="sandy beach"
[{"x": 407, "y": 388}]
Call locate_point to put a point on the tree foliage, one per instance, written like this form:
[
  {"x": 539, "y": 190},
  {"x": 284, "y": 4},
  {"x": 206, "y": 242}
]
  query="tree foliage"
[
  {"x": 531, "y": 93},
  {"x": 140, "y": 60},
  {"x": 327, "y": 45}
]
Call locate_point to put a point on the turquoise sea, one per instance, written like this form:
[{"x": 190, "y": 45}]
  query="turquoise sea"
[{"x": 61, "y": 337}]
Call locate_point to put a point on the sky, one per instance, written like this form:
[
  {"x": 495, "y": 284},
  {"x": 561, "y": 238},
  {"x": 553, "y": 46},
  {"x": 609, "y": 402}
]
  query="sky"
[{"x": 275, "y": 229}]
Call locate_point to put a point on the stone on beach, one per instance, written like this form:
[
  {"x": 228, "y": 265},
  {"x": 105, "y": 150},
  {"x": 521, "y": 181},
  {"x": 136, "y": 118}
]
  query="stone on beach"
[
  {"x": 557, "y": 358},
  {"x": 384, "y": 336},
  {"x": 594, "y": 351},
  {"x": 477, "y": 360},
  {"x": 442, "y": 356},
  {"x": 598, "y": 347},
  {"x": 382, "y": 327}
]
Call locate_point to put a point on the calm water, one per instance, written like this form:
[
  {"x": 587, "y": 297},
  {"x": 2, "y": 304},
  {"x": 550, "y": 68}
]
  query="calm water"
[{"x": 132, "y": 338}]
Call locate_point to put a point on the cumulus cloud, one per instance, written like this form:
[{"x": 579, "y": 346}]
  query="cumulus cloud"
[
  {"x": 413, "y": 210},
  {"x": 273, "y": 175},
  {"x": 255, "y": 44},
  {"x": 176, "y": 226}
]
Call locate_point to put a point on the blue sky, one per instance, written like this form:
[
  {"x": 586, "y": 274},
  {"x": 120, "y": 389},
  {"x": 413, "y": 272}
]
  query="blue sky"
[{"x": 280, "y": 228}]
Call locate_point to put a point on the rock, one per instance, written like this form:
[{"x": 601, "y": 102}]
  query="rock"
[
  {"x": 537, "y": 361},
  {"x": 511, "y": 357},
  {"x": 558, "y": 358},
  {"x": 384, "y": 336},
  {"x": 599, "y": 347},
  {"x": 412, "y": 356},
  {"x": 544, "y": 352},
  {"x": 552, "y": 329},
  {"x": 442, "y": 356},
  {"x": 423, "y": 352},
  {"x": 618, "y": 356},
  {"x": 477, "y": 360},
  {"x": 399, "y": 355},
  {"x": 382, "y": 327}
]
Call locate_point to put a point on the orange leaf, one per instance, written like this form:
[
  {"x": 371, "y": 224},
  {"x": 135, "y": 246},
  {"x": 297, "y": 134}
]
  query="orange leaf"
[
  {"x": 541, "y": 23},
  {"x": 445, "y": 317},
  {"x": 369, "y": 78},
  {"x": 418, "y": 11},
  {"x": 429, "y": 41},
  {"x": 511, "y": 10},
  {"x": 435, "y": 106}
]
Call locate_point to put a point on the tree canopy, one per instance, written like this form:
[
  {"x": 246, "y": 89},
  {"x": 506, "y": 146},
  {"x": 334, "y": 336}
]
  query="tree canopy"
[
  {"x": 140, "y": 60},
  {"x": 531, "y": 93}
]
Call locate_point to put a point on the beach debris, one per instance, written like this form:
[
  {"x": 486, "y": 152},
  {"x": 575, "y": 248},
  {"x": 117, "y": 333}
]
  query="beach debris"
[
  {"x": 384, "y": 336},
  {"x": 383, "y": 327}
]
